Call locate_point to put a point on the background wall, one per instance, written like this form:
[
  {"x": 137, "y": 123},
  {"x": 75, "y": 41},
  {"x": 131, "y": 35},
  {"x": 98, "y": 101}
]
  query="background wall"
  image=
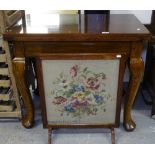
[{"x": 143, "y": 15}]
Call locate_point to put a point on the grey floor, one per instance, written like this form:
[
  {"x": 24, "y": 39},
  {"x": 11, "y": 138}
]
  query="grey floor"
[{"x": 11, "y": 131}]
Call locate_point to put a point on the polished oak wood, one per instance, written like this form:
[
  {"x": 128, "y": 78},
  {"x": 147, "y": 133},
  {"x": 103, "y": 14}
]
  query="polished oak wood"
[
  {"x": 49, "y": 135},
  {"x": 76, "y": 27},
  {"x": 136, "y": 67},
  {"x": 112, "y": 135},
  {"x": 91, "y": 33},
  {"x": 19, "y": 73}
]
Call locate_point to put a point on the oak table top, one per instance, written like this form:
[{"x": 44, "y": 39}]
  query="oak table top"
[{"x": 90, "y": 27}]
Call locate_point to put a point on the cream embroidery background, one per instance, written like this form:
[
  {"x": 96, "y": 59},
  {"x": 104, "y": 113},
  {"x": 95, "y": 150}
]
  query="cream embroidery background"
[{"x": 109, "y": 67}]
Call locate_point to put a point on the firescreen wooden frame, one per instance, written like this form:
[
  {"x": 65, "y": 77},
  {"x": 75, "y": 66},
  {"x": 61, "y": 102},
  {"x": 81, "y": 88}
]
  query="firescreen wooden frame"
[{"x": 81, "y": 56}]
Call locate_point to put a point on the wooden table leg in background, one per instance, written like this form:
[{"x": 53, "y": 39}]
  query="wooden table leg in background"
[
  {"x": 136, "y": 67},
  {"x": 19, "y": 73}
]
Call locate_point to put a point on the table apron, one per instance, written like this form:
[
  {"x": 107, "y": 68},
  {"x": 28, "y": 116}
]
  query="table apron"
[{"x": 32, "y": 49}]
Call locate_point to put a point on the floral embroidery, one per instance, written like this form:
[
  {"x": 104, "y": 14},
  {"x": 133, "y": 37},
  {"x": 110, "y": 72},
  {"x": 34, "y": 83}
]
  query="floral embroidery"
[
  {"x": 93, "y": 83},
  {"x": 81, "y": 93},
  {"x": 73, "y": 70}
]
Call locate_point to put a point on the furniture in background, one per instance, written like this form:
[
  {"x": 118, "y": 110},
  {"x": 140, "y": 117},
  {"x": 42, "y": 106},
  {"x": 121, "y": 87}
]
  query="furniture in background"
[
  {"x": 69, "y": 34},
  {"x": 149, "y": 76},
  {"x": 9, "y": 98},
  {"x": 107, "y": 12}
]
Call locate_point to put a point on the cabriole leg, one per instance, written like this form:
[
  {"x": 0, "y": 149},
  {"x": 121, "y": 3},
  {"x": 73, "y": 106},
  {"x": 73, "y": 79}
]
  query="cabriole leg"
[{"x": 19, "y": 73}]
